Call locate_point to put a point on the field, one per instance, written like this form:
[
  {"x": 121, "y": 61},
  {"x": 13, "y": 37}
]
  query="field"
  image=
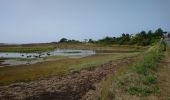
[
  {"x": 80, "y": 74},
  {"x": 114, "y": 72},
  {"x": 64, "y": 65},
  {"x": 146, "y": 79},
  {"x": 47, "y": 47},
  {"x": 26, "y": 48}
]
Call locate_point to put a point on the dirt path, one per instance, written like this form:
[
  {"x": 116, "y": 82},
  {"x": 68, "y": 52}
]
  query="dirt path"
[
  {"x": 164, "y": 77},
  {"x": 71, "y": 87}
]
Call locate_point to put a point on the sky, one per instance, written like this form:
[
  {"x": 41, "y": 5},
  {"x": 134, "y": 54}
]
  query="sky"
[{"x": 35, "y": 21}]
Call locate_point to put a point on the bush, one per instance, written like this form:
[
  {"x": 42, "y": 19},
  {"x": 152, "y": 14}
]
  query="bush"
[
  {"x": 133, "y": 90},
  {"x": 141, "y": 91},
  {"x": 149, "y": 79},
  {"x": 144, "y": 91},
  {"x": 142, "y": 70}
]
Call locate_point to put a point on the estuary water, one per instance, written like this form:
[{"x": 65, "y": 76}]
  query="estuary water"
[
  {"x": 15, "y": 58},
  {"x": 58, "y": 52}
]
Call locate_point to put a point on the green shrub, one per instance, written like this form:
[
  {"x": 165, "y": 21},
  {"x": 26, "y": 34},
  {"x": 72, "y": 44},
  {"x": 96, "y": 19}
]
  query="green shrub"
[
  {"x": 144, "y": 91},
  {"x": 149, "y": 79},
  {"x": 156, "y": 89},
  {"x": 133, "y": 90},
  {"x": 142, "y": 70},
  {"x": 150, "y": 65},
  {"x": 121, "y": 82}
]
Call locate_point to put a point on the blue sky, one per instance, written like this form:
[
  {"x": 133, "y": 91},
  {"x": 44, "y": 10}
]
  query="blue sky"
[{"x": 33, "y": 21}]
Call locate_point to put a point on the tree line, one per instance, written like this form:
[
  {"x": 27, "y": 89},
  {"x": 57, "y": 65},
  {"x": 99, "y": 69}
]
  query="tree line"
[{"x": 142, "y": 38}]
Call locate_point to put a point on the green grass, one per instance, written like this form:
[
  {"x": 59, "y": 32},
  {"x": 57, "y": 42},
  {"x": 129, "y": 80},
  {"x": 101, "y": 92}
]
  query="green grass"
[
  {"x": 62, "y": 65},
  {"x": 149, "y": 79},
  {"x": 106, "y": 92},
  {"x": 143, "y": 91},
  {"x": 56, "y": 67},
  {"x": 1, "y": 60},
  {"x": 96, "y": 62},
  {"x": 140, "y": 79},
  {"x": 26, "y": 49},
  {"x": 146, "y": 70},
  {"x": 55, "y": 57},
  {"x": 49, "y": 47},
  {"x": 87, "y": 65}
]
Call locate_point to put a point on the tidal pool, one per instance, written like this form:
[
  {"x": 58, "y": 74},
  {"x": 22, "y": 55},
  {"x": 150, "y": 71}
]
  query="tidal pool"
[
  {"x": 37, "y": 57},
  {"x": 57, "y": 52}
]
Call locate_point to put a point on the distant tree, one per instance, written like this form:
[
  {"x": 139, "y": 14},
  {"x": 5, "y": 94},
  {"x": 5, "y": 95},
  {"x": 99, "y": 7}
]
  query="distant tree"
[
  {"x": 141, "y": 38},
  {"x": 106, "y": 41},
  {"x": 123, "y": 35},
  {"x": 63, "y": 40},
  {"x": 90, "y": 41},
  {"x": 54, "y": 42},
  {"x": 124, "y": 39},
  {"x": 158, "y": 33},
  {"x": 143, "y": 34},
  {"x": 150, "y": 34}
]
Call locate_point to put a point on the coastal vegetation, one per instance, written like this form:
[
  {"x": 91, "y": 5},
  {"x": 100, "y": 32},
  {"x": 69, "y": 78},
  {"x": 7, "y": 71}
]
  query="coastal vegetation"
[
  {"x": 137, "y": 40},
  {"x": 138, "y": 81},
  {"x": 124, "y": 67}
]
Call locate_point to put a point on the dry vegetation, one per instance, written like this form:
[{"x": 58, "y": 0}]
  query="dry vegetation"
[
  {"x": 164, "y": 77},
  {"x": 61, "y": 66},
  {"x": 48, "y": 47},
  {"x": 143, "y": 80}
]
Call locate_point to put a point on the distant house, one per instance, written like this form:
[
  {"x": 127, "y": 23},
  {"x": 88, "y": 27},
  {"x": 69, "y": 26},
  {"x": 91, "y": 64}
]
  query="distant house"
[{"x": 165, "y": 34}]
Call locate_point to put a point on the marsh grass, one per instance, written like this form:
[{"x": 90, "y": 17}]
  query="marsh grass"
[
  {"x": 106, "y": 92},
  {"x": 147, "y": 72},
  {"x": 49, "y": 47},
  {"x": 55, "y": 67},
  {"x": 149, "y": 79},
  {"x": 140, "y": 80},
  {"x": 87, "y": 65},
  {"x": 1, "y": 60},
  {"x": 27, "y": 49}
]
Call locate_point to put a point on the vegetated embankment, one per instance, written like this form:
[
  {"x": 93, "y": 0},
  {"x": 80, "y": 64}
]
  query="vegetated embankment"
[
  {"x": 140, "y": 81},
  {"x": 163, "y": 76},
  {"x": 48, "y": 47},
  {"x": 70, "y": 87}
]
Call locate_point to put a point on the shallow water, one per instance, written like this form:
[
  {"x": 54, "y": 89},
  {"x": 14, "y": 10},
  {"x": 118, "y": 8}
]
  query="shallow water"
[
  {"x": 57, "y": 52},
  {"x": 39, "y": 56}
]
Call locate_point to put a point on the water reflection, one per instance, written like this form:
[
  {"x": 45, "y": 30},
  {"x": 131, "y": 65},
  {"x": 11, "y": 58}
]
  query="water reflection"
[
  {"x": 46, "y": 54},
  {"x": 32, "y": 58}
]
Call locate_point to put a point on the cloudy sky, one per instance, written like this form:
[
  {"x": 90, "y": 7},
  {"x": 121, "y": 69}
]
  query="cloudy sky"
[{"x": 32, "y": 21}]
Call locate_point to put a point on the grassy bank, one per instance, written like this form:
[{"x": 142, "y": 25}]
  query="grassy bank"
[
  {"x": 57, "y": 67},
  {"x": 98, "y": 48},
  {"x": 164, "y": 77},
  {"x": 26, "y": 49},
  {"x": 136, "y": 82}
]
